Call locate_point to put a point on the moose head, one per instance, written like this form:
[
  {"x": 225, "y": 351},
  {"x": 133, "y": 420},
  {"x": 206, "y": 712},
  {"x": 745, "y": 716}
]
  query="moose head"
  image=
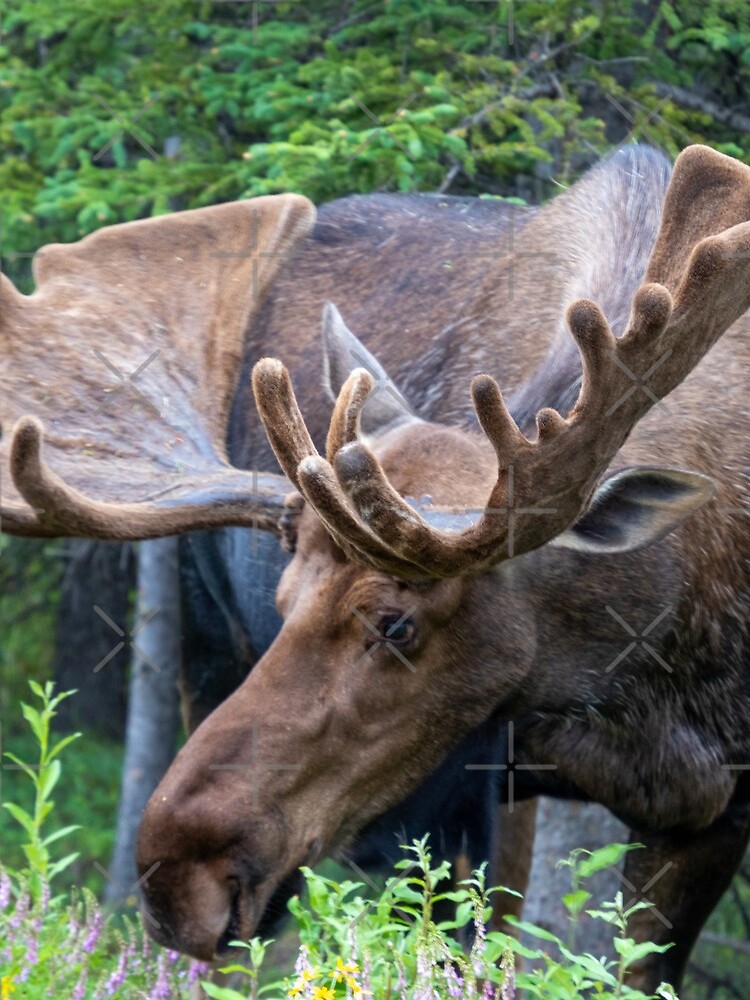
[{"x": 432, "y": 568}]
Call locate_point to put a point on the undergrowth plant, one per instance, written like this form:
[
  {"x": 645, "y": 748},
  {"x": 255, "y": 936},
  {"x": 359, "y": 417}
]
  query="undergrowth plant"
[
  {"x": 403, "y": 944},
  {"x": 66, "y": 945},
  {"x": 396, "y": 946}
]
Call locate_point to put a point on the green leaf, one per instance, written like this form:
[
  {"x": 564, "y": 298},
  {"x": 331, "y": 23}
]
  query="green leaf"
[
  {"x": 60, "y": 833},
  {"x": 222, "y": 992},
  {"x": 21, "y": 817}
]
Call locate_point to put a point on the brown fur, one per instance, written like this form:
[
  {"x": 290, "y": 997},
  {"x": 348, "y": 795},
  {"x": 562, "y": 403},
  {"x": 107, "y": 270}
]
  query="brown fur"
[{"x": 529, "y": 640}]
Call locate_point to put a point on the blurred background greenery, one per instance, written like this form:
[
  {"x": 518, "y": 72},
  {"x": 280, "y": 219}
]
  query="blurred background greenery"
[{"x": 117, "y": 110}]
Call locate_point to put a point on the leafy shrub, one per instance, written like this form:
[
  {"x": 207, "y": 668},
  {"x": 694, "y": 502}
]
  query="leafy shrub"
[{"x": 392, "y": 947}]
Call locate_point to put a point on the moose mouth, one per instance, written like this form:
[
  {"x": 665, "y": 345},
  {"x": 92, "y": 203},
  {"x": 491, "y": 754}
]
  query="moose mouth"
[{"x": 239, "y": 926}]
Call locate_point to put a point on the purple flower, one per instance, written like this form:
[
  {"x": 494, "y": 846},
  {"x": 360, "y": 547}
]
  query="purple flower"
[
  {"x": 79, "y": 992},
  {"x": 95, "y": 929},
  {"x": 5, "y": 890},
  {"x": 197, "y": 969},
  {"x": 160, "y": 988},
  {"x": 21, "y": 910},
  {"x": 117, "y": 978}
]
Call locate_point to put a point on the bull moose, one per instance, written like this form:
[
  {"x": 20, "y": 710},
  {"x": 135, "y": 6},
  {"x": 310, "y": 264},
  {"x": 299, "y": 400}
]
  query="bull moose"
[{"x": 525, "y": 562}]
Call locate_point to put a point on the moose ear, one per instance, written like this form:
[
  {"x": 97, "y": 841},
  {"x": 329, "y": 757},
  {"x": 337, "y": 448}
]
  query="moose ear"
[
  {"x": 636, "y": 507},
  {"x": 386, "y": 407}
]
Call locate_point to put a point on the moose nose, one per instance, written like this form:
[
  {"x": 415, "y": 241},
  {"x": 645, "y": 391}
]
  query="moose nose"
[{"x": 190, "y": 910}]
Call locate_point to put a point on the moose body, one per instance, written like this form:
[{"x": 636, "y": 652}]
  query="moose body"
[{"x": 597, "y": 601}]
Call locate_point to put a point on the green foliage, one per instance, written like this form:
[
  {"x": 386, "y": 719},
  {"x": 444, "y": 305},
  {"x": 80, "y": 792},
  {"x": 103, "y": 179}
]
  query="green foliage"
[
  {"x": 65, "y": 945},
  {"x": 30, "y": 577},
  {"x": 392, "y": 945},
  {"x": 44, "y": 776}
]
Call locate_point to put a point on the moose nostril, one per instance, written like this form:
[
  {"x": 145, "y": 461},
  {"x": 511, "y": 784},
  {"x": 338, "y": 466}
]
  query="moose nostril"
[{"x": 233, "y": 929}]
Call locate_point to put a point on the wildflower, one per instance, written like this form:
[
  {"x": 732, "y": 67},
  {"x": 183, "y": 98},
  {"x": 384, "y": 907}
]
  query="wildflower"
[
  {"x": 161, "y": 986},
  {"x": 95, "y": 930},
  {"x": 6, "y": 988},
  {"x": 345, "y": 973},
  {"x": 118, "y": 977},
  {"x": 323, "y": 993},
  {"x": 79, "y": 992},
  {"x": 5, "y": 888},
  {"x": 304, "y": 979},
  {"x": 197, "y": 969},
  {"x": 21, "y": 910}
]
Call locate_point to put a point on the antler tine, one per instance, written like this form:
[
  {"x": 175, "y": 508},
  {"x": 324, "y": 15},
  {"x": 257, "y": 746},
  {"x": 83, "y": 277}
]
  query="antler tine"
[
  {"x": 281, "y": 417},
  {"x": 345, "y": 420},
  {"x": 310, "y": 472},
  {"x": 494, "y": 418},
  {"x": 321, "y": 489}
]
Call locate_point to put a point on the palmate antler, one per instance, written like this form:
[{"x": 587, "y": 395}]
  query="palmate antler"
[
  {"x": 697, "y": 285},
  {"x": 128, "y": 355}
]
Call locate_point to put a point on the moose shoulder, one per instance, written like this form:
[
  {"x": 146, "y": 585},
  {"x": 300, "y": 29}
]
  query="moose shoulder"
[{"x": 534, "y": 569}]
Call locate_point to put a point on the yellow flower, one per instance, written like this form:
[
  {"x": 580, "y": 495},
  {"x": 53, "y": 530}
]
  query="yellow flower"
[
  {"x": 6, "y": 988},
  {"x": 323, "y": 993},
  {"x": 299, "y": 987}
]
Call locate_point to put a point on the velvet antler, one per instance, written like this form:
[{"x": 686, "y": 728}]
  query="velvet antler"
[
  {"x": 117, "y": 374},
  {"x": 697, "y": 285}
]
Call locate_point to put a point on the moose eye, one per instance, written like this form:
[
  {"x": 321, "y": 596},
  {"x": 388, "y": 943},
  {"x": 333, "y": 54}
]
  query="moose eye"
[{"x": 397, "y": 629}]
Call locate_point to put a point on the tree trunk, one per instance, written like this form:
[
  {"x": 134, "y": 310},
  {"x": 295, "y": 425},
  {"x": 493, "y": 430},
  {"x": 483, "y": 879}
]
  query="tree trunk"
[
  {"x": 153, "y": 710},
  {"x": 560, "y": 828},
  {"x": 90, "y": 655}
]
